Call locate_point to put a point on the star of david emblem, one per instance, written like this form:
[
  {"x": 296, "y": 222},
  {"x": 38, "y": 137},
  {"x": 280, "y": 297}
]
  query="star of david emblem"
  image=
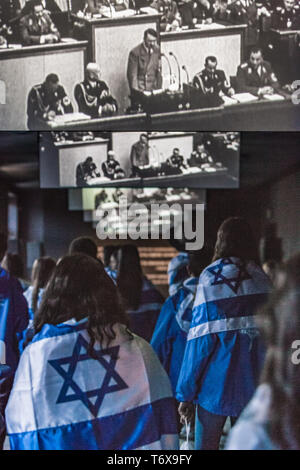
[
  {"x": 234, "y": 282},
  {"x": 86, "y": 396}
]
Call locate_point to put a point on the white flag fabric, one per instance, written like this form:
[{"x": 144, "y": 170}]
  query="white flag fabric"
[{"x": 62, "y": 398}]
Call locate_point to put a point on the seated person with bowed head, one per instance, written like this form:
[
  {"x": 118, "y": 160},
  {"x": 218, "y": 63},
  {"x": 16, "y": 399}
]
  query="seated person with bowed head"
[
  {"x": 176, "y": 161},
  {"x": 46, "y": 101},
  {"x": 170, "y": 19},
  {"x": 256, "y": 75},
  {"x": 37, "y": 27},
  {"x": 86, "y": 381},
  {"x": 212, "y": 81},
  {"x": 144, "y": 68},
  {"x": 271, "y": 419},
  {"x": 93, "y": 96},
  {"x": 200, "y": 157},
  {"x": 86, "y": 171},
  {"x": 111, "y": 167}
]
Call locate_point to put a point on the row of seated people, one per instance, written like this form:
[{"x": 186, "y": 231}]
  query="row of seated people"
[
  {"x": 141, "y": 166},
  {"x": 33, "y": 23},
  {"x": 49, "y": 99}
]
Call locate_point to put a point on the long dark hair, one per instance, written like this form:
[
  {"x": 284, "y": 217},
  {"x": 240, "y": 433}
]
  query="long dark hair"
[
  {"x": 79, "y": 287},
  {"x": 41, "y": 272},
  {"x": 130, "y": 276},
  {"x": 235, "y": 238},
  {"x": 13, "y": 263},
  {"x": 279, "y": 321}
]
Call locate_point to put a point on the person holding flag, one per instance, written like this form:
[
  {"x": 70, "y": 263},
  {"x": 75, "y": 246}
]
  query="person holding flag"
[
  {"x": 224, "y": 351},
  {"x": 86, "y": 382}
]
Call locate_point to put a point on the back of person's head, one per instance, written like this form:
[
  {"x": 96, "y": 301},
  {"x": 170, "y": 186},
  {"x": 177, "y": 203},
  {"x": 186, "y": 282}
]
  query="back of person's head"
[
  {"x": 85, "y": 245},
  {"x": 199, "y": 260},
  {"x": 41, "y": 272},
  {"x": 130, "y": 276},
  {"x": 235, "y": 239},
  {"x": 13, "y": 263},
  {"x": 80, "y": 288},
  {"x": 279, "y": 321},
  {"x": 3, "y": 245}
]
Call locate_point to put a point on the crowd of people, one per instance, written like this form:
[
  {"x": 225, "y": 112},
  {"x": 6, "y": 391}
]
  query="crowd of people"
[{"x": 222, "y": 345}]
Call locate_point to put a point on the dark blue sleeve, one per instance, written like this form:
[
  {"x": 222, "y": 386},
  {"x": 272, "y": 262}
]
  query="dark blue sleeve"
[{"x": 163, "y": 335}]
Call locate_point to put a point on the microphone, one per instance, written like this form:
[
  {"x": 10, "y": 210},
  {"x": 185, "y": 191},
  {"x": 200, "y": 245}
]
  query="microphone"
[
  {"x": 178, "y": 67},
  {"x": 170, "y": 68},
  {"x": 187, "y": 74}
]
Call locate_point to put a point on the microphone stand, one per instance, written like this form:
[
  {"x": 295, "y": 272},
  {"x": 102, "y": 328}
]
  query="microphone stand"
[
  {"x": 178, "y": 67},
  {"x": 170, "y": 68}
]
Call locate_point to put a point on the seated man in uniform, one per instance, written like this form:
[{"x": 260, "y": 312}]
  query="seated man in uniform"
[
  {"x": 93, "y": 96},
  {"x": 37, "y": 27},
  {"x": 9, "y": 18},
  {"x": 176, "y": 161},
  {"x": 49, "y": 5},
  {"x": 144, "y": 69},
  {"x": 256, "y": 76},
  {"x": 212, "y": 81},
  {"x": 200, "y": 157},
  {"x": 170, "y": 19},
  {"x": 86, "y": 171},
  {"x": 139, "y": 155},
  {"x": 111, "y": 167},
  {"x": 286, "y": 16},
  {"x": 45, "y": 101},
  {"x": 196, "y": 11}
]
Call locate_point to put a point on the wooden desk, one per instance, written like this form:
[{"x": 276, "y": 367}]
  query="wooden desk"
[
  {"x": 263, "y": 114},
  {"x": 192, "y": 46},
  {"x": 21, "y": 69},
  {"x": 111, "y": 40}
]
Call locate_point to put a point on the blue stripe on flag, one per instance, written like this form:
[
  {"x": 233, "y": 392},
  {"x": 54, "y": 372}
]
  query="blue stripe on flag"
[{"x": 136, "y": 428}]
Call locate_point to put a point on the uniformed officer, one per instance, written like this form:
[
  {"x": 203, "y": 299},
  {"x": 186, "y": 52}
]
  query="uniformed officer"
[
  {"x": 196, "y": 11},
  {"x": 9, "y": 17},
  {"x": 221, "y": 11},
  {"x": 86, "y": 171},
  {"x": 287, "y": 16},
  {"x": 256, "y": 76},
  {"x": 212, "y": 80},
  {"x": 144, "y": 68},
  {"x": 93, "y": 96},
  {"x": 37, "y": 27},
  {"x": 176, "y": 160},
  {"x": 49, "y": 5},
  {"x": 45, "y": 101},
  {"x": 111, "y": 167},
  {"x": 200, "y": 157},
  {"x": 139, "y": 155},
  {"x": 246, "y": 12},
  {"x": 170, "y": 19}
]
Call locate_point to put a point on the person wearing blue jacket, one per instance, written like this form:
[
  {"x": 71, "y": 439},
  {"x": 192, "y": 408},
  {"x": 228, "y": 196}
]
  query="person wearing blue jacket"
[
  {"x": 169, "y": 337},
  {"x": 13, "y": 320},
  {"x": 224, "y": 351}
]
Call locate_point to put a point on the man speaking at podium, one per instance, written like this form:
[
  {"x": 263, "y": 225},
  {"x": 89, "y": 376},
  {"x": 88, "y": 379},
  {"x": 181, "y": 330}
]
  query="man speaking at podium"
[{"x": 144, "y": 69}]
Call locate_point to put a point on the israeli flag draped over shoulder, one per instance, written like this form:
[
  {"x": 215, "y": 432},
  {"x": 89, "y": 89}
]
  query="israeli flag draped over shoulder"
[
  {"x": 170, "y": 334},
  {"x": 64, "y": 399},
  {"x": 177, "y": 272},
  {"x": 224, "y": 352}
]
